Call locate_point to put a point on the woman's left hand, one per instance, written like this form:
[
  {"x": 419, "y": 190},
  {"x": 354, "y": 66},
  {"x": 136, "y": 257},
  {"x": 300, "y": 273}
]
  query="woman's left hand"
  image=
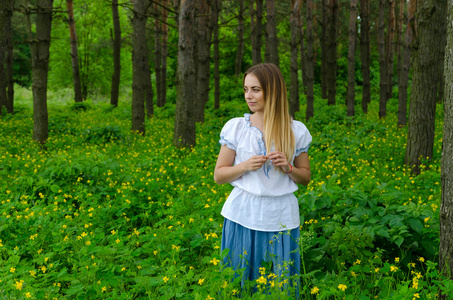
[{"x": 279, "y": 159}]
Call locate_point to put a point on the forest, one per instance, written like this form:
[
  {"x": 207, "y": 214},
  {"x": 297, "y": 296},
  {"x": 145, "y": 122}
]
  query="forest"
[{"x": 110, "y": 115}]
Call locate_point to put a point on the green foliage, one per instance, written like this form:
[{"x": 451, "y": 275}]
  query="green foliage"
[{"x": 105, "y": 213}]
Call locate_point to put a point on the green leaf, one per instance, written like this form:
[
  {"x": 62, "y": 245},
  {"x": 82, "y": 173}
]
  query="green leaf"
[
  {"x": 54, "y": 188},
  {"x": 416, "y": 225}
]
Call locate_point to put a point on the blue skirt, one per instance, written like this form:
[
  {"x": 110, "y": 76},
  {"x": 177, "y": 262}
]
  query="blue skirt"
[{"x": 277, "y": 252}]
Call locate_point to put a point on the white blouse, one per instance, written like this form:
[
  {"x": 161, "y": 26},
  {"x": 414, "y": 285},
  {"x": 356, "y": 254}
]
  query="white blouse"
[{"x": 263, "y": 199}]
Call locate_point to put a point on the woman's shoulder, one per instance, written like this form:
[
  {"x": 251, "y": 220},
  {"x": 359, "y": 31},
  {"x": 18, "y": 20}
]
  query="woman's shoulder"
[
  {"x": 298, "y": 126},
  {"x": 238, "y": 121}
]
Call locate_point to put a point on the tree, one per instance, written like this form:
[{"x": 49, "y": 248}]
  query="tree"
[
  {"x": 295, "y": 28},
  {"x": 324, "y": 48},
  {"x": 184, "y": 132},
  {"x": 426, "y": 57},
  {"x": 404, "y": 65},
  {"x": 240, "y": 52},
  {"x": 351, "y": 58},
  {"x": 309, "y": 66},
  {"x": 6, "y": 12},
  {"x": 39, "y": 46},
  {"x": 389, "y": 48},
  {"x": 271, "y": 29},
  {"x": 74, "y": 52},
  {"x": 115, "y": 89},
  {"x": 332, "y": 36},
  {"x": 161, "y": 49},
  {"x": 140, "y": 66},
  {"x": 215, "y": 6},
  {"x": 203, "y": 57},
  {"x": 446, "y": 206},
  {"x": 256, "y": 23},
  {"x": 382, "y": 60},
  {"x": 365, "y": 52}
]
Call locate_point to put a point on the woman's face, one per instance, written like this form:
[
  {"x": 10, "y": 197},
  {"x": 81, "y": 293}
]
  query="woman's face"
[{"x": 253, "y": 93}]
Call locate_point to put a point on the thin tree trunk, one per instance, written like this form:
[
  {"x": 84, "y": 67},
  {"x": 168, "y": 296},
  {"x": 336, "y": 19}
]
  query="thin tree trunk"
[
  {"x": 240, "y": 52},
  {"x": 74, "y": 53},
  {"x": 365, "y": 52},
  {"x": 294, "y": 87},
  {"x": 9, "y": 66},
  {"x": 446, "y": 206},
  {"x": 310, "y": 62},
  {"x": 215, "y": 29},
  {"x": 351, "y": 58},
  {"x": 324, "y": 48},
  {"x": 390, "y": 45},
  {"x": 431, "y": 19},
  {"x": 332, "y": 52},
  {"x": 184, "y": 132},
  {"x": 140, "y": 66},
  {"x": 40, "y": 45},
  {"x": 271, "y": 28},
  {"x": 382, "y": 60},
  {"x": 404, "y": 65},
  {"x": 204, "y": 33},
  {"x": 115, "y": 89},
  {"x": 158, "y": 53},
  {"x": 303, "y": 50},
  {"x": 6, "y": 11},
  {"x": 256, "y": 23},
  {"x": 163, "y": 86}
]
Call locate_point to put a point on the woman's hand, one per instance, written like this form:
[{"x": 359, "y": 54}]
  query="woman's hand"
[
  {"x": 279, "y": 159},
  {"x": 255, "y": 162}
]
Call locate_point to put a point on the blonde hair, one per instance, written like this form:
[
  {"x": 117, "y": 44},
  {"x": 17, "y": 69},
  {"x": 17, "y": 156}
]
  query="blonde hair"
[{"x": 277, "y": 121}]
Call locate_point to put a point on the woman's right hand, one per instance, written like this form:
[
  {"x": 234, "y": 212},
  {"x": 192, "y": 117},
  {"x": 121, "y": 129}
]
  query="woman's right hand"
[{"x": 255, "y": 162}]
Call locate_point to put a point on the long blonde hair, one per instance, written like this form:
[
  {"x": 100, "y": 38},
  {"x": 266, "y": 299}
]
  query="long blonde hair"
[{"x": 277, "y": 121}]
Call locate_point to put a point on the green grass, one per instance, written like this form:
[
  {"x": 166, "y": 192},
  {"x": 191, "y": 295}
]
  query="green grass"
[{"x": 108, "y": 214}]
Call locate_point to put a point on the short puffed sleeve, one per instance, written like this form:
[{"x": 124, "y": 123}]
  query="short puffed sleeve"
[
  {"x": 230, "y": 133},
  {"x": 303, "y": 137}
]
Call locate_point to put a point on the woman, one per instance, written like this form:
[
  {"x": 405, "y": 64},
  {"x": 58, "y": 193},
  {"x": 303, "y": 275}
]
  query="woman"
[{"x": 263, "y": 155}]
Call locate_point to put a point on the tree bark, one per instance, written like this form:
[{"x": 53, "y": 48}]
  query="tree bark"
[
  {"x": 163, "y": 86},
  {"x": 294, "y": 87},
  {"x": 309, "y": 66},
  {"x": 332, "y": 52},
  {"x": 390, "y": 45},
  {"x": 74, "y": 53},
  {"x": 184, "y": 132},
  {"x": 204, "y": 34},
  {"x": 431, "y": 19},
  {"x": 140, "y": 66},
  {"x": 9, "y": 65},
  {"x": 382, "y": 60},
  {"x": 404, "y": 65},
  {"x": 324, "y": 48},
  {"x": 271, "y": 28},
  {"x": 158, "y": 53},
  {"x": 215, "y": 4},
  {"x": 446, "y": 206},
  {"x": 351, "y": 58},
  {"x": 240, "y": 52},
  {"x": 365, "y": 53},
  {"x": 256, "y": 23},
  {"x": 115, "y": 89},
  {"x": 6, "y": 12}
]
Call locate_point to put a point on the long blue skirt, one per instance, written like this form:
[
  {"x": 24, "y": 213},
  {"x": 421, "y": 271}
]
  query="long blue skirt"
[{"x": 252, "y": 249}]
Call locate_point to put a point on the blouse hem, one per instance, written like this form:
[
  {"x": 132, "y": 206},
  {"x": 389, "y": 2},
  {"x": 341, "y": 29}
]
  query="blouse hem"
[{"x": 258, "y": 229}]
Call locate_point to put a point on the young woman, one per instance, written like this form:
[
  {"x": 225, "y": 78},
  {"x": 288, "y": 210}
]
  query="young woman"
[{"x": 263, "y": 155}]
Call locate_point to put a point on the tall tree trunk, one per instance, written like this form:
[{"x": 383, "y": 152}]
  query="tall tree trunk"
[
  {"x": 271, "y": 28},
  {"x": 158, "y": 53},
  {"x": 365, "y": 53},
  {"x": 256, "y": 23},
  {"x": 115, "y": 89},
  {"x": 431, "y": 20},
  {"x": 240, "y": 52},
  {"x": 303, "y": 50},
  {"x": 404, "y": 64},
  {"x": 324, "y": 48},
  {"x": 351, "y": 58},
  {"x": 382, "y": 60},
  {"x": 140, "y": 66},
  {"x": 39, "y": 45},
  {"x": 163, "y": 86},
  {"x": 309, "y": 66},
  {"x": 9, "y": 66},
  {"x": 332, "y": 52},
  {"x": 390, "y": 45},
  {"x": 204, "y": 34},
  {"x": 446, "y": 206},
  {"x": 184, "y": 134},
  {"x": 6, "y": 11},
  {"x": 294, "y": 87},
  {"x": 74, "y": 53},
  {"x": 215, "y": 28}
]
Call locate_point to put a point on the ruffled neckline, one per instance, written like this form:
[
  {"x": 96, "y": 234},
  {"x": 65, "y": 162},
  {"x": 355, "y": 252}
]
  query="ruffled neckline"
[{"x": 249, "y": 124}]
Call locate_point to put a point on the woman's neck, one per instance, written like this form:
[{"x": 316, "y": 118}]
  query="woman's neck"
[{"x": 257, "y": 120}]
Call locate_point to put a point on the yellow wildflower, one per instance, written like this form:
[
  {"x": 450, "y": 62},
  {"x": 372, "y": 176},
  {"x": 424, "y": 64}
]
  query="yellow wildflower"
[{"x": 342, "y": 287}]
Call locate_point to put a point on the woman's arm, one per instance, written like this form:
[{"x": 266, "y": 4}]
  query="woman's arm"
[
  {"x": 301, "y": 166},
  {"x": 225, "y": 172}
]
